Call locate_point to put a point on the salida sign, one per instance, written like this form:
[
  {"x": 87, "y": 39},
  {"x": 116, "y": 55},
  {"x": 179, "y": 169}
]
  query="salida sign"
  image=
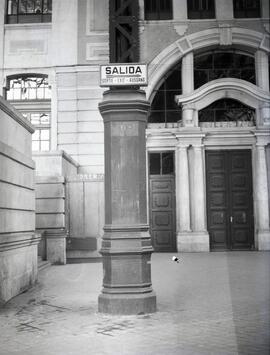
[{"x": 123, "y": 75}]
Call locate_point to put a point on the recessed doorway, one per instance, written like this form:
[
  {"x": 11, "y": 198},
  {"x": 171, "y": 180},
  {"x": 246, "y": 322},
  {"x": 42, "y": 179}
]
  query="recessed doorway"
[{"x": 229, "y": 199}]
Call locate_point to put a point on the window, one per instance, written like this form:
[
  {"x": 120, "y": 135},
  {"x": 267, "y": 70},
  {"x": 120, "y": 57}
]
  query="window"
[
  {"x": 164, "y": 108},
  {"x": 201, "y": 9},
  {"x": 246, "y": 8},
  {"x": 223, "y": 64},
  {"x": 227, "y": 110},
  {"x": 161, "y": 163},
  {"x": 158, "y": 9},
  {"x": 28, "y": 11},
  {"x": 30, "y": 94}
]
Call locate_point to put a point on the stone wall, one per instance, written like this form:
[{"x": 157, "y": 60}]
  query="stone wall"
[{"x": 18, "y": 240}]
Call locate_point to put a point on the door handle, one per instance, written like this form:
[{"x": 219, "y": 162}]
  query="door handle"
[{"x": 231, "y": 219}]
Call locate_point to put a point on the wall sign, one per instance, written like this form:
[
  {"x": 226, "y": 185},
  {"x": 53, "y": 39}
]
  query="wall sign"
[{"x": 123, "y": 75}]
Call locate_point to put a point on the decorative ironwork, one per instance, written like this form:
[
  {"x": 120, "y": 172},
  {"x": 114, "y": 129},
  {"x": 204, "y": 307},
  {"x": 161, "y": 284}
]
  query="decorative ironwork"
[
  {"x": 124, "y": 31},
  {"x": 28, "y": 88},
  {"x": 227, "y": 110},
  {"x": 223, "y": 64}
]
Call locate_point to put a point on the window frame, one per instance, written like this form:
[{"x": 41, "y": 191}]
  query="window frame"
[
  {"x": 27, "y": 107},
  {"x": 157, "y": 14},
  {"x": 244, "y": 12},
  {"x": 201, "y": 13},
  {"x": 30, "y": 17}
]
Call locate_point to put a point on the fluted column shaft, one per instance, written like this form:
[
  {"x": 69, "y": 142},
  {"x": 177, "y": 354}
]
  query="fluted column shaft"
[
  {"x": 261, "y": 189},
  {"x": 199, "y": 195},
  {"x": 183, "y": 216}
]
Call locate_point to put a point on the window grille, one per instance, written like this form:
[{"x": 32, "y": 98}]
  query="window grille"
[
  {"x": 158, "y": 10},
  {"x": 31, "y": 96},
  {"x": 227, "y": 110},
  {"x": 227, "y": 64},
  {"x": 201, "y": 9},
  {"x": 246, "y": 8},
  {"x": 28, "y": 11},
  {"x": 164, "y": 108}
]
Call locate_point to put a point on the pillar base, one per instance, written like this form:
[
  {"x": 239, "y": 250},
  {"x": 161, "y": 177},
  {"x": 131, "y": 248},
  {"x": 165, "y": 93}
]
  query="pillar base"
[
  {"x": 127, "y": 304},
  {"x": 193, "y": 242},
  {"x": 56, "y": 246},
  {"x": 264, "y": 240}
]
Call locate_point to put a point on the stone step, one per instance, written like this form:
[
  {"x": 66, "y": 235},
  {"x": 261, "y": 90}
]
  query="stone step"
[{"x": 43, "y": 264}]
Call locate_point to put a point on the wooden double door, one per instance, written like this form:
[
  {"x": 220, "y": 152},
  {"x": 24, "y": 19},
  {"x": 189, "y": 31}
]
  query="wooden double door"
[{"x": 229, "y": 199}]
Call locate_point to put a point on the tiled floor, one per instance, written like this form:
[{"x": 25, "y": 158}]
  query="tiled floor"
[{"x": 209, "y": 303}]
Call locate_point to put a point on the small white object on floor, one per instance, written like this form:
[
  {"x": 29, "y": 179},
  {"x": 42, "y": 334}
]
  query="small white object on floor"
[{"x": 174, "y": 258}]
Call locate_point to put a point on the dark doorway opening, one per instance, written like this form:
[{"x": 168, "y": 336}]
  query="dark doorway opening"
[{"x": 230, "y": 200}]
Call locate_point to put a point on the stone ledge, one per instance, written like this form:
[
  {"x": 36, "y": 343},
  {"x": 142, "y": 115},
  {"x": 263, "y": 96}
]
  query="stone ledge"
[
  {"x": 18, "y": 240},
  {"x": 16, "y": 115},
  {"x": 15, "y": 155}
]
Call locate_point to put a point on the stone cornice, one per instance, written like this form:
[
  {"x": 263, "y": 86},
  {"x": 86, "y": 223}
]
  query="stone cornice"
[
  {"x": 53, "y": 153},
  {"x": 16, "y": 115},
  {"x": 227, "y": 86},
  {"x": 18, "y": 240},
  {"x": 13, "y": 154}
]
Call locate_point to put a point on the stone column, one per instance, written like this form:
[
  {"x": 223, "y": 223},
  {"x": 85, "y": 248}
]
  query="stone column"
[
  {"x": 182, "y": 176},
  {"x": 126, "y": 245},
  {"x": 199, "y": 233},
  {"x": 187, "y": 73},
  {"x": 261, "y": 198},
  {"x": 262, "y": 70},
  {"x": 182, "y": 194}
]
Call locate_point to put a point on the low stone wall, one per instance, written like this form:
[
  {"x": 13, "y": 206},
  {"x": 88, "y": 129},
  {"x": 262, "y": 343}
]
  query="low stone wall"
[
  {"x": 51, "y": 217},
  {"x": 18, "y": 240}
]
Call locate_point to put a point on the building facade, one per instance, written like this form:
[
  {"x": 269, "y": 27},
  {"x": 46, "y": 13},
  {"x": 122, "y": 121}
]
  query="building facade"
[{"x": 207, "y": 137}]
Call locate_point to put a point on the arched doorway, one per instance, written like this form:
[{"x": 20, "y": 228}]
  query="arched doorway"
[{"x": 229, "y": 187}]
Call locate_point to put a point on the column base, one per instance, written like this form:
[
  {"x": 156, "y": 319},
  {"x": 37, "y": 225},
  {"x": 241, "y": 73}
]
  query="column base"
[
  {"x": 56, "y": 246},
  {"x": 193, "y": 242},
  {"x": 127, "y": 304},
  {"x": 264, "y": 240}
]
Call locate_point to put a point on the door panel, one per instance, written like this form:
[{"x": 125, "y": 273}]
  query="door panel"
[
  {"x": 229, "y": 199},
  {"x": 162, "y": 213},
  {"x": 162, "y": 201}
]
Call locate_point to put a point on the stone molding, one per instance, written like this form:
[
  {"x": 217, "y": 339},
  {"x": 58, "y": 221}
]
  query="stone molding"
[
  {"x": 225, "y": 88},
  {"x": 16, "y": 115},
  {"x": 172, "y": 54},
  {"x": 11, "y": 241},
  {"x": 60, "y": 153},
  {"x": 13, "y": 154}
]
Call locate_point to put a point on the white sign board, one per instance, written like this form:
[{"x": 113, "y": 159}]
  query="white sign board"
[{"x": 123, "y": 75}]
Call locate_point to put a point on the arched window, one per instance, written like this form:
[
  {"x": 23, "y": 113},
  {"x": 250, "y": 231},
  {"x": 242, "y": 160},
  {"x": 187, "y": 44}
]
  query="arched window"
[
  {"x": 31, "y": 95},
  {"x": 28, "y": 11},
  {"x": 223, "y": 64},
  {"x": 164, "y": 108},
  {"x": 227, "y": 113}
]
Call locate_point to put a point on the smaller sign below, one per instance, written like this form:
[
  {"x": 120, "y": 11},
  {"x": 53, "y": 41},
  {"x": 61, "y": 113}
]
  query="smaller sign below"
[{"x": 123, "y": 75}]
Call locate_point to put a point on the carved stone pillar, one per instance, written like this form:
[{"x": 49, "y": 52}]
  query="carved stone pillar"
[
  {"x": 199, "y": 195},
  {"x": 187, "y": 73},
  {"x": 126, "y": 245},
  {"x": 262, "y": 70},
  {"x": 182, "y": 193},
  {"x": 261, "y": 198},
  {"x": 200, "y": 236}
]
